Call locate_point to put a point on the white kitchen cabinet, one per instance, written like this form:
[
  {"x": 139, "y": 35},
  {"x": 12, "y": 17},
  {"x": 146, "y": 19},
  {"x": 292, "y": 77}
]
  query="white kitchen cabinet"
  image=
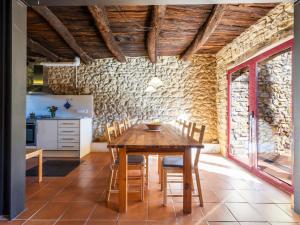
[
  {"x": 46, "y": 135},
  {"x": 65, "y": 138}
]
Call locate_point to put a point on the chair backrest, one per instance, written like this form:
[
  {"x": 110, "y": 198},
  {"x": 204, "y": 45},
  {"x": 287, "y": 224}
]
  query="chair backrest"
[
  {"x": 186, "y": 128},
  {"x": 197, "y": 133},
  {"x": 120, "y": 127},
  {"x": 127, "y": 123},
  {"x": 111, "y": 134},
  {"x": 177, "y": 123}
]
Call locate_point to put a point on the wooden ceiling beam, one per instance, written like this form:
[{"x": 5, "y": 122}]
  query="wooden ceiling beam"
[
  {"x": 62, "y": 30},
  {"x": 41, "y": 50},
  {"x": 102, "y": 23},
  {"x": 158, "y": 12},
  {"x": 205, "y": 31}
]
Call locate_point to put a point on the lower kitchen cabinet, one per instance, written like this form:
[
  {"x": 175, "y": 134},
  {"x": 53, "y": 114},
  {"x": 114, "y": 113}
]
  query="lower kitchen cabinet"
[
  {"x": 64, "y": 138},
  {"x": 46, "y": 134}
]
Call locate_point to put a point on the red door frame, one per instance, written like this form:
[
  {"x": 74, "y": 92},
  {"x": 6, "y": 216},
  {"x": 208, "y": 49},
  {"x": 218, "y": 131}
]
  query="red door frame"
[{"x": 252, "y": 65}]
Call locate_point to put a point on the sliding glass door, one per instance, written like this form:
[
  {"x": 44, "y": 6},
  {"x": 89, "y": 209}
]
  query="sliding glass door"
[
  {"x": 260, "y": 115},
  {"x": 274, "y": 116}
]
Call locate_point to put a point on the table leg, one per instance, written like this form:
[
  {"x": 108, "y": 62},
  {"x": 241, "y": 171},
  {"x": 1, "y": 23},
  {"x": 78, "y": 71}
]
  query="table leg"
[
  {"x": 41, "y": 166},
  {"x": 123, "y": 181},
  {"x": 187, "y": 182}
]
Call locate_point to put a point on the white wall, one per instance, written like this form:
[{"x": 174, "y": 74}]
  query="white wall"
[{"x": 82, "y": 105}]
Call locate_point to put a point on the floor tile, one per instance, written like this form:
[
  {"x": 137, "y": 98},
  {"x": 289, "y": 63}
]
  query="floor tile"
[
  {"x": 191, "y": 222},
  {"x": 254, "y": 223},
  {"x": 244, "y": 212},
  {"x": 223, "y": 223},
  {"x": 158, "y": 212},
  {"x": 217, "y": 212},
  {"x": 255, "y": 196},
  {"x": 97, "y": 222},
  {"x": 196, "y": 215},
  {"x": 132, "y": 223},
  {"x": 171, "y": 222},
  {"x": 78, "y": 211},
  {"x": 287, "y": 208},
  {"x": 13, "y": 222},
  {"x": 40, "y": 222},
  {"x": 51, "y": 211},
  {"x": 274, "y": 223},
  {"x": 273, "y": 213},
  {"x": 102, "y": 212},
  {"x": 229, "y": 196},
  {"x": 71, "y": 222},
  {"x": 135, "y": 212},
  {"x": 30, "y": 209}
]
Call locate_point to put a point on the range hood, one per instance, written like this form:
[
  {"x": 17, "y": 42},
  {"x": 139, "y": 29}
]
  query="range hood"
[{"x": 39, "y": 83}]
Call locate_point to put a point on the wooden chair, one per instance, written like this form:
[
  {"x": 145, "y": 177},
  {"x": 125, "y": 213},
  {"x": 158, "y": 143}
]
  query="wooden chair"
[
  {"x": 120, "y": 127},
  {"x": 174, "y": 165},
  {"x": 186, "y": 128},
  {"x": 185, "y": 131},
  {"x": 178, "y": 123},
  {"x": 127, "y": 123},
  {"x": 135, "y": 162}
]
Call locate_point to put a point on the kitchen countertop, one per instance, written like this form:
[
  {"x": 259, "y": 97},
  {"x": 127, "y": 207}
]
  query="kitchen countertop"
[{"x": 61, "y": 118}]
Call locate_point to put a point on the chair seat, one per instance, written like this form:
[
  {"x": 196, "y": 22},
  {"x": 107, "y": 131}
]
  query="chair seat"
[
  {"x": 133, "y": 159},
  {"x": 173, "y": 161}
]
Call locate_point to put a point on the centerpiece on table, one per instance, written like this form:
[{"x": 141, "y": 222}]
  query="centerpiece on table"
[
  {"x": 154, "y": 125},
  {"x": 52, "y": 109}
]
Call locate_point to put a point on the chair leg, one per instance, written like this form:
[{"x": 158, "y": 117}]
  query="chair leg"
[
  {"x": 115, "y": 178},
  {"x": 162, "y": 178},
  {"x": 165, "y": 183},
  {"x": 142, "y": 182},
  {"x": 199, "y": 186},
  {"x": 109, "y": 185},
  {"x": 147, "y": 170},
  {"x": 193, "y": 187},
  {"x": 159, "y": 168}
]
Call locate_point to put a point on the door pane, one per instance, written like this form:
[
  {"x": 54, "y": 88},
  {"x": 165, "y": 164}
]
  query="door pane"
[
  {"x": 239, "y": 134},
  {"x": 274, "y": 106}
]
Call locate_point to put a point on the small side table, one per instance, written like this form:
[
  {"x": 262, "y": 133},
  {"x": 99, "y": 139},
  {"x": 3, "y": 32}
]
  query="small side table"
[{"x": 36, "y": 152}]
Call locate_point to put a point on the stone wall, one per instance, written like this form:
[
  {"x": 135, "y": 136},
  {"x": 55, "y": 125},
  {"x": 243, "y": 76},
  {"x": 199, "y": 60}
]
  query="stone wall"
[
  {"x": 277, "y": 25},
  {"x": 239, "y": 112},
  {"x": 189, "y": 90}
]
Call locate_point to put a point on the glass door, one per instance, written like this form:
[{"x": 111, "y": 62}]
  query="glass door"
[
  {"x": 274, "y": 116},
  {"x": 260, "y": 126}
]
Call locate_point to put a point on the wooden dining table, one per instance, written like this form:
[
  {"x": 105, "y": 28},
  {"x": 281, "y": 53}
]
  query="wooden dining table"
[{"x": 168, "y": 141}]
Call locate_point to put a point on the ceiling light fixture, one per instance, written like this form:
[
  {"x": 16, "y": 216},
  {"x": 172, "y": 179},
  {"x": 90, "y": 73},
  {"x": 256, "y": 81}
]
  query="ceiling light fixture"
[
  {"x": 150, "y": 89},
  {"x": 155, "y": 82}
]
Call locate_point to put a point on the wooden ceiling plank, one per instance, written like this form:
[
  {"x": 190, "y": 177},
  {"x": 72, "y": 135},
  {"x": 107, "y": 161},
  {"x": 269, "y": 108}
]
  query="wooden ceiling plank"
[
  {"x": 62, "y": 30},
  {"x": 102, "y": 24},
  {"x": 153, "y": 35},
  {"x": 206, "y": 31},
  {"x": 41, "y": 50}
]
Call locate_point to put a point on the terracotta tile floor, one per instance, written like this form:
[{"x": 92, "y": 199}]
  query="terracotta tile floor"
[{"x": 232, "y": 196}]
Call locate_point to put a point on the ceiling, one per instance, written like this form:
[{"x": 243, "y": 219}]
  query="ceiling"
[{"x": 130, "y": 26}]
